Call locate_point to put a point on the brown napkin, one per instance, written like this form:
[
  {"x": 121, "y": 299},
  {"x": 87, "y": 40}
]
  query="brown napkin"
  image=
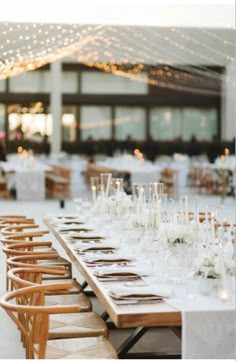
[
  {"x": 140, "y": 293},
  {"x": 93, "y": 247},
  {"x": 116, "y": 273},
  {"x": 107, "y": 259}
]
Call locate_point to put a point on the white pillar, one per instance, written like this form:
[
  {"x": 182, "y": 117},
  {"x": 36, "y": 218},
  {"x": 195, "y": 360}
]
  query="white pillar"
[
  {"x": 56, "y": 106},
  {"x": 228, "y": 105}
]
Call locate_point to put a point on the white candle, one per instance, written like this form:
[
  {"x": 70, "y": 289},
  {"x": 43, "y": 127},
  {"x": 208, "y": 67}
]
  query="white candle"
[
  {"x": 230, "y": 233},
  {"x": 94, "y": 193},
  {"x": 186, "y": 209},
  {"x": 139, "y": 203},
  {"x": 118, "y": 188},
  {"x": 158, "y": 213},
  {"x": 146, "y": 220},
  {"x": 223, "y": 289},
  {"x": 224, "y": 294},
  {"x": 212, "y": 228}
]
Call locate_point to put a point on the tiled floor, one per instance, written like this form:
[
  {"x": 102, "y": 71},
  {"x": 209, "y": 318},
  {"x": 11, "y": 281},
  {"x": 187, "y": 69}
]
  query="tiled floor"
[{"x": 10, "y": 345}]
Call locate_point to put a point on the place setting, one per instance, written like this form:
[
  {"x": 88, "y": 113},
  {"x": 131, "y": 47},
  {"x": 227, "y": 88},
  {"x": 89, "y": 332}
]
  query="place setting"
[
  {"x": 145, "y": 294},
  {"x": 84, "y": 247},
  {"x": 108, "y": 259},
  {"x": 74, "y": 230},
  {"x": 120, "y": 273}
]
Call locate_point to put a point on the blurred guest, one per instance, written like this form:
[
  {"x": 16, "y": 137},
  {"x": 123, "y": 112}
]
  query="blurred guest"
[
  {"x": 3, "y": 152},
  {"x": 193, "y": 146},
  {"x": 129, "y": 144},
  {"x": 90, "y": 147},
  {"x": 150, "y": 148}
]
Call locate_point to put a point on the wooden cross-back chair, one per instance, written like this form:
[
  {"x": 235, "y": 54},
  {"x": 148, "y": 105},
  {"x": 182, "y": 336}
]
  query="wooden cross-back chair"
[
  {"x": 37, "y": 248},
  {"x": 74, "y": 294},
  {"x": 26, "y": 248},
  {"x": 32, "y": 318},
  {"x": 83, "y": 324}
]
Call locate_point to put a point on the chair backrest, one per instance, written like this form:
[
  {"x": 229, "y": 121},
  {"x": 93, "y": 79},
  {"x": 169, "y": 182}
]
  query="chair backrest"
[
  {"x": 8, "y": 221},
  {"x": 9, "y": 230},
  {"x": 26, "y": 277},
  {"x": 26, "y": 308},
  {"x": 31, "y": 260},
  {"x": 24, "y": 248},
  {"x": 26, "y": 235},
  {"x": 10, "y": 216}
]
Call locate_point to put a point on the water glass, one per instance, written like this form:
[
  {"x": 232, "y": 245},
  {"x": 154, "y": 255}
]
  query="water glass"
[{"x": 106, "y": 183}]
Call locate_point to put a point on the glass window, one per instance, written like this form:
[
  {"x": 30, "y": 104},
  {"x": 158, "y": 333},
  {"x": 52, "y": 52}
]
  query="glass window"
[
  {"x": 199, "y": 122},
  {"x": 29, "y": 122},
  {"x": 2, "y": 85},
  {"x": 2, "y": 121},
  {"x": 130, "y": 121},
  {"x": 95, "y": 122},
  {"x": 171, "y": 123},
  {"x": 31, "y": 82},
  {"x": 165, "y": 123},
  {"x": 69, "y": 123},
  {"x": 69, "y": 82},
  {"x": 107, "y": 83}
]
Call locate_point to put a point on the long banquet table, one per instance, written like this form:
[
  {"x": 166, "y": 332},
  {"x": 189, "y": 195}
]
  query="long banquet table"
[
  {"x": 123, "y": 316},
  {"x": 203, "y": 319}
]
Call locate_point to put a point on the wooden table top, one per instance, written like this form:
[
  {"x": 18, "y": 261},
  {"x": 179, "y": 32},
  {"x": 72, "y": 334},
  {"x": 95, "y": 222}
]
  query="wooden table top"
[{"x": 123, "y": 316}]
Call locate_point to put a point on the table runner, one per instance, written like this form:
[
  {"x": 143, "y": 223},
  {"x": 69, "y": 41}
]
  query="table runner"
[
  {"x": 208, "y": 327},
  {"x": 30, "y": 185}
]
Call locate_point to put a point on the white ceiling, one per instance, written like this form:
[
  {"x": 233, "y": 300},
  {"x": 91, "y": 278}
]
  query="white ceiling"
[{"x": 183, "y": 13}]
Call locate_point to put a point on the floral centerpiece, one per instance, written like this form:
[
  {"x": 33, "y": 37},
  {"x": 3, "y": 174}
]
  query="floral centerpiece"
[
  {"x": 210, "y": 262},
  {"x": 114, "y": 205},
  {"x": 177, "y": 234}
]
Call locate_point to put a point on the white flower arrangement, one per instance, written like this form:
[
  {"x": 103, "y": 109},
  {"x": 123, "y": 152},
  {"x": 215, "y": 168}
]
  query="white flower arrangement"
[
  {"x": 115, "y": 205},
  {"x": 176, "y": 234},
  {"x": 209, "y": 263}
]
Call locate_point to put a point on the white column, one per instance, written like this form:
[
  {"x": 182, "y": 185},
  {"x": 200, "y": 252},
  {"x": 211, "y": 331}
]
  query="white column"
[
  {"x": 56, "y": 106},
  {"x": 228, "y": 105}
]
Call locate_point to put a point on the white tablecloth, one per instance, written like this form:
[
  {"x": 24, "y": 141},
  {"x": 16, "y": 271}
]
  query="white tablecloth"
[{"x": 140, "y": 171}]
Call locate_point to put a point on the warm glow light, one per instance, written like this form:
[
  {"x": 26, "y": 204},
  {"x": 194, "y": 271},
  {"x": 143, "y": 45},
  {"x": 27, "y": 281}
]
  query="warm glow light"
[
  {"x": 224, "y": 294},
  {"x": 28, "y": 46}
]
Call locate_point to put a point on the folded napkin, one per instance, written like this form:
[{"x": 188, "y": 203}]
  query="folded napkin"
[
  {"x": 65, "y": 216},
  {"x": 81, "y": 247},
  {"x": 139, "y": 293},
  {"x": 107, "y": 259},
  {"x": 84, "y": 235},
  {"x": 75, "y": 229},
  {"x": 70, "y": 222},
  {"x": 120, "y": 273}
]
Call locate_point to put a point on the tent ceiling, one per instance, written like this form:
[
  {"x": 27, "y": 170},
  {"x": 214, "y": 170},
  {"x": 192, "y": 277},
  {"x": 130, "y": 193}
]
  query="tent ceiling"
[{"x": 26, "y": 46}]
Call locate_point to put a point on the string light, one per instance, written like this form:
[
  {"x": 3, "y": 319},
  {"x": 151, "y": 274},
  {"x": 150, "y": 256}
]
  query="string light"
[{"x": 29, "y": 46}]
